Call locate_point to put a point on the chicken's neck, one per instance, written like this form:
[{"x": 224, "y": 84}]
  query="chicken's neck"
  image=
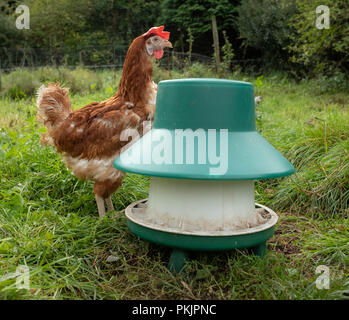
[{"x": 136, "y": 85}]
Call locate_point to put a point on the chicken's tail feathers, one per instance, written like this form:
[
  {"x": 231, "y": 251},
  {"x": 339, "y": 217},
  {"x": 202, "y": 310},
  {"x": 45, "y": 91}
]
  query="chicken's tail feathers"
[{"x": 53, "y": 107}]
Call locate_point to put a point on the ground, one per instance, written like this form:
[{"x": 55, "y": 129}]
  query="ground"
[{"x": 49, "y": 220}]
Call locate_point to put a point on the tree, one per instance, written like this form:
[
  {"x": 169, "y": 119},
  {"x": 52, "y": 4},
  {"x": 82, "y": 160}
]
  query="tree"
[
  {"x": 324, "y": 50},
  {"x": 80, "y": 23},
  {"x": 58, "y": 23},
  {"x": 121, "y": 20},
  {"x": 9, "y": 35},
  {"x": 180, "y": 15},
  {"x": 264, "y": 25}
]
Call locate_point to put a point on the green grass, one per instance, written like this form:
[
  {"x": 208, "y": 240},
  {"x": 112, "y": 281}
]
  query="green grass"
[{"x": 49, "y": 220}]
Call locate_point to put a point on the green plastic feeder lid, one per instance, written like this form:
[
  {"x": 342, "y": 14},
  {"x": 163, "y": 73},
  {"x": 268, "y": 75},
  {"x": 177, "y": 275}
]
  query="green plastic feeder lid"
[{"x": 204, "y": 129}]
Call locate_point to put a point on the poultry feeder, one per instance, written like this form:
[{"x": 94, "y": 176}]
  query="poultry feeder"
[{"x": 203, "y": 155}]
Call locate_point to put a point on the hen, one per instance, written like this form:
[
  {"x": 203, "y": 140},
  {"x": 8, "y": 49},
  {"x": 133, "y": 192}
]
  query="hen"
[{"x": 90, "y": 138}]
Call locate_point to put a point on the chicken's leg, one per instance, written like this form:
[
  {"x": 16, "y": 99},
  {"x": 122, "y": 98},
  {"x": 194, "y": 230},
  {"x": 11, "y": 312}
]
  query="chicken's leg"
[
  {"x": 100, "y": 206},
  {"x": 110, "y": 206},
  {"x": 103, "y": 190}
]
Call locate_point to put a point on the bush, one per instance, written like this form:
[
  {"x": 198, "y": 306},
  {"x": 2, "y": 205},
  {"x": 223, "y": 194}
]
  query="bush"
[
  {"x": 264, "y": 25},
  {"x": 196, "y": 70},
  {"x": 20, "y": 84},
  {"x": 322, "y": 51},
  {"x": 228, "y": 54},
  {"x": 23, "y": 83},
  {"x": 330, "y": 84},
  {"x": 80, "y": 80}
]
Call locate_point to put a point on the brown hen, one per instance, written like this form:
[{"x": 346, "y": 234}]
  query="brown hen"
[{"x": 90, "y": 138}]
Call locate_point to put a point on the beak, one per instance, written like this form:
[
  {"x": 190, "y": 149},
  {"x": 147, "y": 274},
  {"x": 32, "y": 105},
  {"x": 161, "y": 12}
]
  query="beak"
[{"x": 166, "y": 44}]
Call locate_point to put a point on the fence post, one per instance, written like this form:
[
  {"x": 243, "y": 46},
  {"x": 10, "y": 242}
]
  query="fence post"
[
  {"x": 81, "y": 62},
  {"x": 215, "y": 41}
]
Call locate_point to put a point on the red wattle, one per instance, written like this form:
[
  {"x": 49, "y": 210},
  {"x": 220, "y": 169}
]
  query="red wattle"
[{"x": 158, "y": 54}]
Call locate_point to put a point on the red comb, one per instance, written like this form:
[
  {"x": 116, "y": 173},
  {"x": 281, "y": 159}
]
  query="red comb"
[{"x": 158, "y": 31}]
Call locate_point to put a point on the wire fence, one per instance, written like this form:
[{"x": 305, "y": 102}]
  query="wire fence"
[
  {"x": 94, "y": 57},
  {"x": 101, "y": 57}
]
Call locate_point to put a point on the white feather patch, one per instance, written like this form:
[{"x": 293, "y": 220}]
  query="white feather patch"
[
  {"x": 94, "y": 169},
  {"x": 40, "y": 94}
]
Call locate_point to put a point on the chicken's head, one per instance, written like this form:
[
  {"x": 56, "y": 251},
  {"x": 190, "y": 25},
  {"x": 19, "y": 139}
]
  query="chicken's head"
[{"x": 156, "y": 41}]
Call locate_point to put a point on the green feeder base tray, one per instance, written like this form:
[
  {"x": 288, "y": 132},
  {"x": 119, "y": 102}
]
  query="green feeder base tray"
[{"x": 183, "y": 244}]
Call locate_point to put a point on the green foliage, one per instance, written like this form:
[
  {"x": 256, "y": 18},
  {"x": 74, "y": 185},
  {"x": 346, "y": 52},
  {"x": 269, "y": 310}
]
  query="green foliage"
[
  {"x": 323, "y": 83},
  {"x": 57, "y": 23},
  {"x": 9, "y": 35},
  {"x": 282, "y": 32},
  {"x": 81, "y": 23},
  {"x": 263, "y": 24},
  {"x": 23, "y": 83},
  {"x": 122, "y": 21},
  {"x": 228, "y": 53},
  {"x": 79, "y": 80},
  {"x": 20, "y": 84},
  {"x": 322, "y": 51},
  {"x": 180, "y": 15},
  {"x": 197, "y": 14},
  {"x": 259, "y": 82},
  {"x": 196, "y": 70}
]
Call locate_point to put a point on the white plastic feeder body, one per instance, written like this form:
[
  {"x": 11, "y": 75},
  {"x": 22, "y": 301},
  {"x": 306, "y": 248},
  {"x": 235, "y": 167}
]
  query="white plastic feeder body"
[{"x": 201, "y": 205}]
